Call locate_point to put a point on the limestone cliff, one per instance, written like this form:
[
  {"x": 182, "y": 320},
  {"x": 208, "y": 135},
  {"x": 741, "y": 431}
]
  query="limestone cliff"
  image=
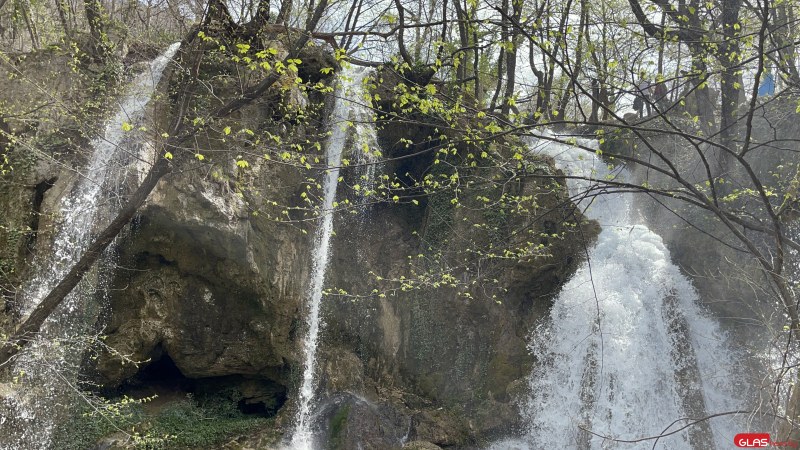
[{"x": 210, "y": 282}]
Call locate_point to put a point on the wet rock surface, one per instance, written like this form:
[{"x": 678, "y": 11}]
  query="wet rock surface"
[
  {"x": 221, "y": 294},
  {"x": 208, "y": 296}
]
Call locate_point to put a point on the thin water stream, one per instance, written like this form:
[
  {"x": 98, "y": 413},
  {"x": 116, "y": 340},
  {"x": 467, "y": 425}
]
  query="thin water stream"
[
  {"x": 49, "y": 363},
  {"x": 347, "y": 111},
  {"x": 86, "y": 205}
]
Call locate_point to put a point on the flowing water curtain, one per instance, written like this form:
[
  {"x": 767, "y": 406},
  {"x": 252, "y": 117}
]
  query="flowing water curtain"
[
  {"x": 45, "y": 377},
  {"x": 352, "y": 130},
  {"x": 302, "y": 435},
  {"x": 627, "y": 351},
  {"x": 365, "y": 149},
  {"x": 85, "y": 207}
]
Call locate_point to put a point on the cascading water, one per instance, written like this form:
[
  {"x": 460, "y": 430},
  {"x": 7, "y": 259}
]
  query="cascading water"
[
  {"x": 80, "y": 209},
  {"x": 366, "y": 142},
  {"x": 627, "y": 353},
  {"x": 348, "y": 108},
  {"x": 47, "y": 364}
]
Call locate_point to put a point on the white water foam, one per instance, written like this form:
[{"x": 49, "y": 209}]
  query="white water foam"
[{"x": 627, "y": 352}]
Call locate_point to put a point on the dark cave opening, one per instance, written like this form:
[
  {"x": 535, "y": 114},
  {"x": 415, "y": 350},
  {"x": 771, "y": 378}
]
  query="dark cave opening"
[
  {"x": 164, "y": 373},
  {"x": 160, "y": 381},
  {"x": 164, "y": 382}
]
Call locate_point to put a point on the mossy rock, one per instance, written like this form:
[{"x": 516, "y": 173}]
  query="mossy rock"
[
  {"x": 420, "y": 445},
  {"x": 338, "y": 424}
]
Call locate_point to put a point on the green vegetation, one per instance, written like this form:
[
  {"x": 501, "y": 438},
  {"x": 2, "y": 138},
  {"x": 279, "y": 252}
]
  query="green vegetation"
[
  {"x": 337, "y": 428},
  {"x": 191, "y": 423}
]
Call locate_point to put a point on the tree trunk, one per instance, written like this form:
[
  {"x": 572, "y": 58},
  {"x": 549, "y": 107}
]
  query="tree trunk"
[
  {"x": 284, "y": 13},
  {"x": 476, "y": 62},
  {"x": 704, "y": 103},
  {"x": 573, "y": 79},
  {"x": 499, "y": 86},
  {"x": 548, "y": 87},
  {"x": 731, "y": 83},
  {"x": 352, "y": 18},
  {"x": 502, "y": 59},
  {"x": 260, "y": 18},
  {"x": 511, "y": 60},
  {"x": 101, "y": 46},
  {"x": 217, "y": 13},
  {"x": 781, "y": 32},
  {"x": 461, "y": 19},
  {"x": 61, "y": 7},
  {"x": 593, "y": 117},
  {"x": 25, "y": 11},
  {"x": 401, "y": 42},
  {"x": 661, "y": 44},
  {"x": 540, "y": 83}
]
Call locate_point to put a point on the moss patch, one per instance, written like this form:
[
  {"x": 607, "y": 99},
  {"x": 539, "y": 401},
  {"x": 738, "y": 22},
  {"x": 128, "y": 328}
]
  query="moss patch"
[
  {"x": 186, "y": 424},
  {"x": 337, "y": 427},
  {"x": 192, "y": 424}
]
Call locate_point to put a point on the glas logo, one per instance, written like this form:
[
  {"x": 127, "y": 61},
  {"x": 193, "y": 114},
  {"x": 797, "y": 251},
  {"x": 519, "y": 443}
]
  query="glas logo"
[
  {"x": 751, "y": 440},
  {"x": 760, "y": 440}
]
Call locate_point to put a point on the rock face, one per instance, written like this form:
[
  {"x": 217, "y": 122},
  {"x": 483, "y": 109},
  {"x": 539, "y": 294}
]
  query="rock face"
[
  {"x": 221, "y": 293},
  {"x": 464, "y": 353},
  {"x": 210, "y": 290}
]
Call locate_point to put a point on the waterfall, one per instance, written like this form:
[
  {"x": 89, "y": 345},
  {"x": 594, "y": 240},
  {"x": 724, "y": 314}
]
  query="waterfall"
[
  {"x": 366, "y": 141},
  {"x": 49, "y": 364},
  {"x": 81, "y": 208},
  {"x": 627, "y": 352},
  {"x": 348, "y": 108}
]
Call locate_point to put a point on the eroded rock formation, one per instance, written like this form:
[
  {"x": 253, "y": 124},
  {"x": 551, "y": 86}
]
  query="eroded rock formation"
[{"x": 209, "y": 290}]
